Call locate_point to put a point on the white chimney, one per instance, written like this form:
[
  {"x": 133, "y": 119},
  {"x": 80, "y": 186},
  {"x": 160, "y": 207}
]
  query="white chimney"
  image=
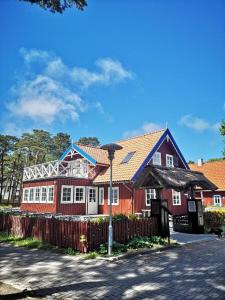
[{"x": 200, "y": 162}]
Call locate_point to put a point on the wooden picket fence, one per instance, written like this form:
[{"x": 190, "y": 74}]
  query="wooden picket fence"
[{"x": 79, "y": 235}]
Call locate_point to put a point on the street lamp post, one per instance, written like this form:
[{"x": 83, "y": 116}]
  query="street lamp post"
[{"x": 111, "y": 148}]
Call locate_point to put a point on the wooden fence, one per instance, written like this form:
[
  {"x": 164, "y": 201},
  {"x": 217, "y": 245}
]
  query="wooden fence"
[{"x": 78, "y": 235}]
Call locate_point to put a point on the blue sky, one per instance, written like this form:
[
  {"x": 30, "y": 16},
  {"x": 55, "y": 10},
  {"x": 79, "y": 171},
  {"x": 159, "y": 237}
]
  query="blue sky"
[{"x": 118, "y": 69}]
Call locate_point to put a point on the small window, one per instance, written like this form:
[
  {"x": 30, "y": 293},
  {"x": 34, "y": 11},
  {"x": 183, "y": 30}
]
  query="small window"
[
  {"x": 92, "y": 195},
  {"x": 217, "y": 201},
  {"x": 37, "y": 194},
  {"x": 43, "y": 194},
  {"x": 79, "y": 194},
  {"x": 25, "y": 195},
  {"x": 149, "y": 194},
  {"x": 31, "y": 198},
  {"x": 66, "y": 194},
  {"x": 156, "y": 159},
  {"x": 176, "y": 198},
  {"x": 169, "y": 161},
  {"x": 101, "y": 196},
  {"x": 115, "y": 196},
  {"x": 50, "y": 194},
  {"x": 128, "y": 157}
]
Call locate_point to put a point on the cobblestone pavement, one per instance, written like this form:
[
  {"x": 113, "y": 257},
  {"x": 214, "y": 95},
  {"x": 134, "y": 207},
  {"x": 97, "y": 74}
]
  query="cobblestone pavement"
[{"x": 193, "y": 271}]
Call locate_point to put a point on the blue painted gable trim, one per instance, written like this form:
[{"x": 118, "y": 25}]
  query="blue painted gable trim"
[
  {"x": 148, "y": 158},
  {"x": 80, "y": 151}
]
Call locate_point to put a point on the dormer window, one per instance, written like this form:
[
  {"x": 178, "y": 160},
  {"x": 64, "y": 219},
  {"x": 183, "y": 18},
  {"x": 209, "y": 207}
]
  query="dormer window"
[
  {"x": 156, "y": 159},
  {"x": 169, "y": 161}
]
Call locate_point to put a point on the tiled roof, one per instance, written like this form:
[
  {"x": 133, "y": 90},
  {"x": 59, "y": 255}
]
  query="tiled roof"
[
  {"x": 141, "y": 145},
  {"x": 101, "y": 156},
  {"x": 214, "y": 171}
]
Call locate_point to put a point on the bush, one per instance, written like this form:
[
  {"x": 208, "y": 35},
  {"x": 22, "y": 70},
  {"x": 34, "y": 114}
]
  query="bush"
[
  {"x": 145, "y": 242},
  {"x": 118, "y": 248},
  {"x": 133, "y": 217},
  {"x": 140, "y": 242},
  {"x": 214, "y": 218},
  {"x": 119, "y": 217},
  {"x": 70, "y": 251}
]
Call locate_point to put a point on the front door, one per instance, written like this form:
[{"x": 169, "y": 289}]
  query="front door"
[{"x": 92, "y": 201}]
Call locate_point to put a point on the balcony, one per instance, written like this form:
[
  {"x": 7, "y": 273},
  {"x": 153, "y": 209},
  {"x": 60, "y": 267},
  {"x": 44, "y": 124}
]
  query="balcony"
[{"x": 58, "y": 168}]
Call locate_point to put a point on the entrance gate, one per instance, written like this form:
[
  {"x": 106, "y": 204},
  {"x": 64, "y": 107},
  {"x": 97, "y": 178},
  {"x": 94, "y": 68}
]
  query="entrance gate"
[
  {"x": 193, "y": 222},
  {"x": 158, "y": 178}
]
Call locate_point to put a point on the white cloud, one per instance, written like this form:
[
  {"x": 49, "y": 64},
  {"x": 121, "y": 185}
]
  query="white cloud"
[
  {"x": 44, "y": 99},
  {"x": 145, "y": 128},
  {"x": 197, "y": 123},
  {"x": 50, "y": 90}
]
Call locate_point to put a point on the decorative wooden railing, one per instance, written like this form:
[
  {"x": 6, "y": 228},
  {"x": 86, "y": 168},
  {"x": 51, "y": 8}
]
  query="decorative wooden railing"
[{"x": 58, "y": 168}]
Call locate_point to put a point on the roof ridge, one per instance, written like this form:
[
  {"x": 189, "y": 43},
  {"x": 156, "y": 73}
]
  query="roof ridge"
[
  {"x": 208, "y": 162},
  {"x": 89, "y": 146},
  {"x": 140, "y": 135}
]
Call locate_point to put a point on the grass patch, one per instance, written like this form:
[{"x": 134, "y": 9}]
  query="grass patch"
[
  {"x": 23, "y": 242},
  {"x": 90, "y": 255}
]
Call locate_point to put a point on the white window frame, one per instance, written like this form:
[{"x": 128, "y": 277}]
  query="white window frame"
[
  {"x": 157, "y": 159},
  {"x": 176, "y": 197},
  {"x": 36, "y": 188},
  {"x": 214, "y": 200},
  {"x": 48, "y": 188},
  {"x": 169, "y": 156},
  {"x": 44, "y": 187},
  {"x": 71, "y": 200},
  {"x": 28, "y": 195},
  {"x": 33, "y": 190},
  {"x": 149, "y": 192},
  {"x": 75, "y": 190},
  {"x": 101, "y": 196},
  {"x": 118, "y": 193}
]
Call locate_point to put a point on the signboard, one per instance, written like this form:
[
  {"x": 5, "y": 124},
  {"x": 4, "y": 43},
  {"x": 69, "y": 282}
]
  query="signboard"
[{"x": 191, "y": 206}]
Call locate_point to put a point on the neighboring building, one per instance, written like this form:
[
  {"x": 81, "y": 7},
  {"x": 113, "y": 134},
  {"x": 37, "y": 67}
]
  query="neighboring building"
[
  {"x": 78, "y": 184},
  {"x": 215, "y": 172},
  {"x": 10, "y": 194}
]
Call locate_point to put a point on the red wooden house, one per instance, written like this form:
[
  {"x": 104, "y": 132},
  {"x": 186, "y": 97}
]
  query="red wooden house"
[
  {"x": 215, "y": 172},
  {"x": 78, "y": 183}
]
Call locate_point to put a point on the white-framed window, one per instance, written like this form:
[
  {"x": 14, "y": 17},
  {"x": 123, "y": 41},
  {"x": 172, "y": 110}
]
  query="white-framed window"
[
  {"x": 101, "y": 196},
  {"x": 79, "y": 194},
  {"x": 217, "y": 200},
  {"x": 31, "y": 195},
  {"x": 149, "y": 194},
  {"x": 156, "y": 159},
  {"x": 50, "y": 197},
  {"x": 25, "y": 195},
  {"x": 67, "y": 194},
  {"x": 115, "y": 196},
  {"x": 176, "y": 197},
  {"x": 37, "y": 194},
  {"x": 169, "y": 161},
  {"x": 92, "y": 197},
  {"x": 43, "y": 194}
]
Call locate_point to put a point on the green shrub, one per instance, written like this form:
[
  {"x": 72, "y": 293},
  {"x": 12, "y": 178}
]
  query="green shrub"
[
  {"x": 90, "y": 255},
  {"x": 103, "y": 249},
  {"x": 119, "y": 217},
  {"x": 214, "y": 218},
  {"x": 70, "y": 251},
  {"x": 140, "y": 242},
  {"x": 133, "y": 217},
  {"x": 118, "y": 248}
]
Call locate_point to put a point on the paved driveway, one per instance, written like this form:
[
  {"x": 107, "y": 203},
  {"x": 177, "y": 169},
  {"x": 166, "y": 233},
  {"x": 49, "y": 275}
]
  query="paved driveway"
[{"x": 193, "y": 271}]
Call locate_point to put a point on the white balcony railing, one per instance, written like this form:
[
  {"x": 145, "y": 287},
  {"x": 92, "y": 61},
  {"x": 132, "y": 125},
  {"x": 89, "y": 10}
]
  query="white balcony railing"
[{"x": 57, "y": 168}]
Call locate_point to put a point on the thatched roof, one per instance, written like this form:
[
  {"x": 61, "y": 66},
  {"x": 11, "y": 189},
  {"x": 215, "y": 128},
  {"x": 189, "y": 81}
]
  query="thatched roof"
[{"x": 175, "y": 178}]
